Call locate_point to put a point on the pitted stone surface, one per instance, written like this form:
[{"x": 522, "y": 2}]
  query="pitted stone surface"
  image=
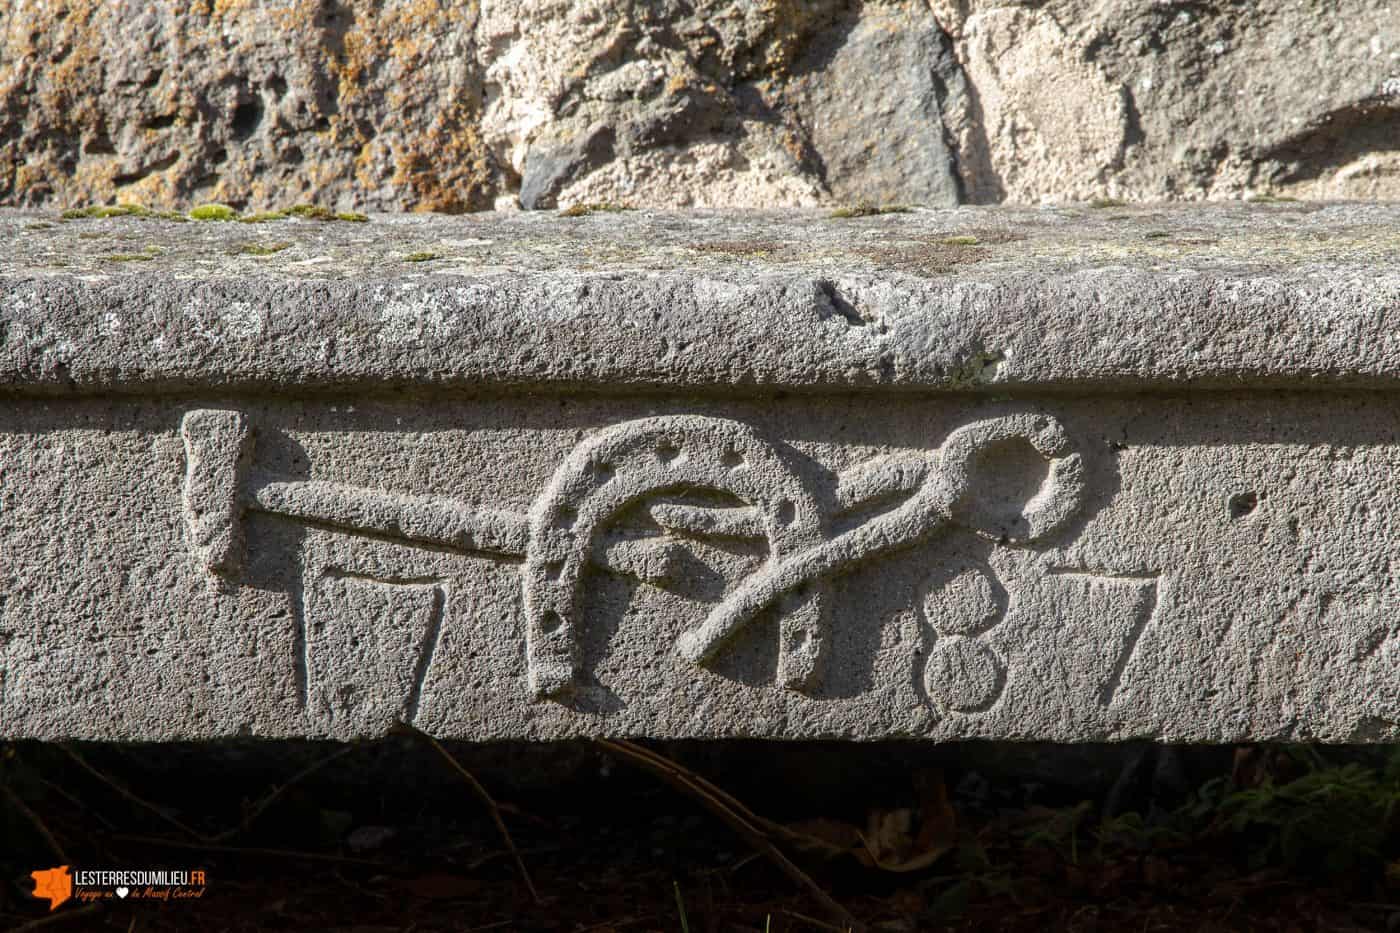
[{"x": 1110, "y": 474}]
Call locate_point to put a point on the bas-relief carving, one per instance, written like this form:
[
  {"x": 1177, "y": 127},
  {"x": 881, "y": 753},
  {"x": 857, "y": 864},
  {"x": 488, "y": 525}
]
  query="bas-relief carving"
[
  {"x": 644, "y": 499},
  {"x": 368, "y": 644}
]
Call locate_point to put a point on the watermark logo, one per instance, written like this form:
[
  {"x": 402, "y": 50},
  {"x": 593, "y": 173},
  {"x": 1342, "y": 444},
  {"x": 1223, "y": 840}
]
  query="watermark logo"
[
  {"x": 53, "y": 884},
  {"x": 59, "y": 885}
]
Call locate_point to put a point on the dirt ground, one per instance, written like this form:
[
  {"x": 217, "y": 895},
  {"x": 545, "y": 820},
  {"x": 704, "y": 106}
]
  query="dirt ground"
[{"x": 402, "y": 835}]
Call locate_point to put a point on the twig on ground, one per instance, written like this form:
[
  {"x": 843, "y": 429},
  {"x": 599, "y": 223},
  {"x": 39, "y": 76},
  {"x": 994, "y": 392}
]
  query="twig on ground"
[
  {"x": 249, "y": 850},
  {"x": 767, "y": 826},
  {"x": 144, "y": 804},
  {"x": 277, "y": 792},
  {"x": 680, "y": 905},
  {"x": 37, "y": 823},
  {"x": 739, "y": 818},
  {"x": 486, "y": 798},
  {"x": 55, "y": 919},
  {"x": 739, "y": 863}
]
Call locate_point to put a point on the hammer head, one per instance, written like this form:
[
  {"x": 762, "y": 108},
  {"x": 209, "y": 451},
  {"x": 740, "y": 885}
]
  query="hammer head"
[{"x": 218, "y": 448}]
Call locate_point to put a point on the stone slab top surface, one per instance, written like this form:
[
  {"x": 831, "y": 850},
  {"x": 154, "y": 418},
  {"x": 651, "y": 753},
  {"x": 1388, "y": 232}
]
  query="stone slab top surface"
[
  {"x": 969, "y": 244},
  {"x": 971, "y": 298}
]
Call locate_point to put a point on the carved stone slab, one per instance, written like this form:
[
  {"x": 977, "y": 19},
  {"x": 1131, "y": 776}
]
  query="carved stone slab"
[{"x": 994, "y": 500}]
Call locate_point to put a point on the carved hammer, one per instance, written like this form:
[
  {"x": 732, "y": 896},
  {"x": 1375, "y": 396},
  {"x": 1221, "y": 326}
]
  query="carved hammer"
[{"x": 221, "y": 487}]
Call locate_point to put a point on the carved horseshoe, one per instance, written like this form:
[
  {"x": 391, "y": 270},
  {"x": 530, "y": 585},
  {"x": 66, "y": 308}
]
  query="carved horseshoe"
[{"x": 622, "y": 465}]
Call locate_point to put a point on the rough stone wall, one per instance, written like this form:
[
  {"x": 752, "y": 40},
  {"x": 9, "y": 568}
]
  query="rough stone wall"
[
  {"x": 451, "y": 105},
  {"x": 249, "y": 102}
]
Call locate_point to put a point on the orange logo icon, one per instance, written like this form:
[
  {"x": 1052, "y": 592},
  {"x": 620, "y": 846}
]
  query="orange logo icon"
[{"x": 55, "y": 884}]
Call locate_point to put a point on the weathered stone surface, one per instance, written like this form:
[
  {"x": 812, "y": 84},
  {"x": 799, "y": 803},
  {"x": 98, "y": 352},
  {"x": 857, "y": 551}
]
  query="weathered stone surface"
[
  {"x": 1098, "y": 475},
  {"x": 263, "y": 104},
  {"x": 451, "y": 105},
  {"x": 1078, "y": 99}
]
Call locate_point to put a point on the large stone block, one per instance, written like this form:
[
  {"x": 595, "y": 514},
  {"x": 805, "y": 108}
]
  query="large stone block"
[{"x": 1052, "y": 475}]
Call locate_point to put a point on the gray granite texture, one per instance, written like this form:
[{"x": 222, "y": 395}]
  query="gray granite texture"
[{"x": 1064, "y": 475}]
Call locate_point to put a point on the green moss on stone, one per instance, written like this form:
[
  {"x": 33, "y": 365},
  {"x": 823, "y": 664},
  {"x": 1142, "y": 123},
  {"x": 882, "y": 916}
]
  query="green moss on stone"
[
  {"x": 422, "y": 256},
  {"x": 129, "y": 257},
  {"x": 601, "y": 207},
  {"x": 964, "y": 240},
  {"x": 262, "y": 217},
  {"x": 317, "y": 212},
  {"x": 103, "y": 211},
  {"x": 219, "y": 212},
  {"x": 311, "y": 212},
  {"x": 867, "y": 210},
  {"x": 1101, "y": 203}
]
